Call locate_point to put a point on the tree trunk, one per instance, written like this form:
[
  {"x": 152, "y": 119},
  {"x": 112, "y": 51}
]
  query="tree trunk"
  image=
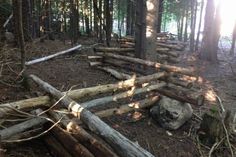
[
  {"x": 108, "y": 4},
  {"x": 211, "y": 33},
  {"x": 96, "y": 17},
  {"x": 199, "y": 26},
  {"x": 160, "y": 13},
  {"x": 19, "y": 27},
  {"x": 151, "y": 29},
  {"x": 193, "y": 24},
  {"x": 140, "y": 29},
  {"x": 128, "y": 18},
  {"x": 119, "y": 143},
  {"x": 233, "y": 40},
  {"x": 186, "y": 23}
]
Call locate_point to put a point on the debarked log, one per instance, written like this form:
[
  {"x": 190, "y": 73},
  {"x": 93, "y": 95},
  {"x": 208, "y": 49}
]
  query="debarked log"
[
  {"x": 53, "y": 55},
  {"x": 79, "y": 93},
  {"x": 168, "y": 68},
  {"x": 122, "y": 146}
]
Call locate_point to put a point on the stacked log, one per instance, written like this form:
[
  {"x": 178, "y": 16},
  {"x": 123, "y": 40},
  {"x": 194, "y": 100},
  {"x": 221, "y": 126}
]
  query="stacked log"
[{"x": 175, "y": 88}]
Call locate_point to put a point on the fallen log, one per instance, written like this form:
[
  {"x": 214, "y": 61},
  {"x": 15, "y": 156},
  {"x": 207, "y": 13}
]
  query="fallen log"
[
  {"x": 118, "y": 142},
  {"x": 125, "y": 66},
  {"x": 197, "y": 99},
  {"x": 175, "y": 47},
  {"x": 107, "y": 99},
  {"x": 128, "y": 107},
  {"x": 70, "y": 143},
  {"x": 94, "y": 146},
  {"x": 168, "y": 68},
  {"x": 21, "y": 127},
  {"x": 53, "y": 55},
  {"x": 162, "y": 49},
  {"x": 113, "y": 49},
  {"x": 116, "y": 74},
  {"x": 55, "y": 147},
  {"x": 77, "y": 94},
  {"x": 94, "y": 63},
  {"x": 128, "y": 43},
  {"x": 166, "y": 58}
]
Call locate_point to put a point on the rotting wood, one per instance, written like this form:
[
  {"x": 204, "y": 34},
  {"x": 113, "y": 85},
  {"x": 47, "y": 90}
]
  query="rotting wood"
[
  {"x": 55, "y": 147},
  {"x": 168, "y": 68},
  {"x": 79, "y": 93},
  {"x": 53, "y": 55},
  {"x": 107, "y": 99},
  {"x": 95, "y": 146},
  {"x": 122, "y": 146},
  {"x": 128, "y": 107}
]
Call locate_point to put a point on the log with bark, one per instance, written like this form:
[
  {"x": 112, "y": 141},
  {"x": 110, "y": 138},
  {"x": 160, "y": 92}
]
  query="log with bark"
[
  {"x": 116, "y": 74},
  {"x": 70, "y": 143},
  {"x": 162, "y": 58},
  {"x": 168, "y": 68},
  {"x": 126, "y": 46},
  {"x": 174, "y": 47},
  {"x": 162, "y": 49},
  {"x": 55, "y": 147},
  {"x": 169, "y": 53},
  {"x": 77, "y": 94},
  {"x": 95, "y": 146},
  {"x": 118, "y": 142},
  {"x": 53, "y": 55},
  {"x": 113, "y": 49},
  {"x": 128, "y": 107},
  {"x": 21, "y": 127}
]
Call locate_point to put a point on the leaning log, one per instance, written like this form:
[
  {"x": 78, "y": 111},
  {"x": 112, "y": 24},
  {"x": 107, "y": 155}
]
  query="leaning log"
[
  {"x": 128, "y": 107},
  {"x": 77, "y": 94},
  {"x": 94, "y": 146},
  {"x": 119, "y": 143},
  {"x": 53, "y": 55},
  {"x": 168, "y": 68},
  {"x": 113, "y": 49}
]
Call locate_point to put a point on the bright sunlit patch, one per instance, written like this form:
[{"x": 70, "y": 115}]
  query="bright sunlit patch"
[
  {"x": 210, "y": 96},
  {"x": 150, "y": 6},
  {"x": 228, "y": 16}
]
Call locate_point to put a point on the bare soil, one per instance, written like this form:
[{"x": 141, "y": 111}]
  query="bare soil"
[{"x": 73, "y": 70}]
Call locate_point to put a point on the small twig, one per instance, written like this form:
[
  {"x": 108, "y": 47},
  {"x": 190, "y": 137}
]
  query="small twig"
[{"x": 212, "y": 149}]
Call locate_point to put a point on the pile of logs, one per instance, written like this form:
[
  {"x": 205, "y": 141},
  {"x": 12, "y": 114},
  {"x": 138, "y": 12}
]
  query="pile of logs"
[
  {"x": 68, "y": 127},
  {"x": 125, "y": 67},
  {"x": 168, "y": 51}
]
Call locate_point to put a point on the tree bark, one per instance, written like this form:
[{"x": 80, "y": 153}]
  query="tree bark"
[{"x": 233, "y": 40}]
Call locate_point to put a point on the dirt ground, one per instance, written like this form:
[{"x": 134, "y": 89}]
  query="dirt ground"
[{"x": 73, "y": 71}]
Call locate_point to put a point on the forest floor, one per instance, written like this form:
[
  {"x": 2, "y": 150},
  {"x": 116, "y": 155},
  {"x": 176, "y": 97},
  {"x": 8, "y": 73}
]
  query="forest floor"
[{"x": 73, "y": 70}]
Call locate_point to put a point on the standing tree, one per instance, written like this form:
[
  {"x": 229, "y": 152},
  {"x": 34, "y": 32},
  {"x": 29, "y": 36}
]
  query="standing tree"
[
  {"x": 19, "y": 28},
  {"x": 146, "y": 29},
  {"x": 233, "y": 40},
  {"x": 211, "y": 32}
]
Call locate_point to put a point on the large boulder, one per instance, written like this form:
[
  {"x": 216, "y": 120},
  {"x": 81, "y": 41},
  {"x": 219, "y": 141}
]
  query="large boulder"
[{"x": 171, "y": 114}]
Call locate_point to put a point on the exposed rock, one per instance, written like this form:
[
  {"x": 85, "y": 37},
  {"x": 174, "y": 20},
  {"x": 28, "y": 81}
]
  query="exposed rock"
[
  {"x": 171, "y": 114},
  {"x": 10, "y": 38}
]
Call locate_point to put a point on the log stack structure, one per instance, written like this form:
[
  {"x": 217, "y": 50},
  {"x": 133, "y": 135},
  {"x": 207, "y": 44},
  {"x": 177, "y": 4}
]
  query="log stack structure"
[{"x": 68, "y": 128}]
